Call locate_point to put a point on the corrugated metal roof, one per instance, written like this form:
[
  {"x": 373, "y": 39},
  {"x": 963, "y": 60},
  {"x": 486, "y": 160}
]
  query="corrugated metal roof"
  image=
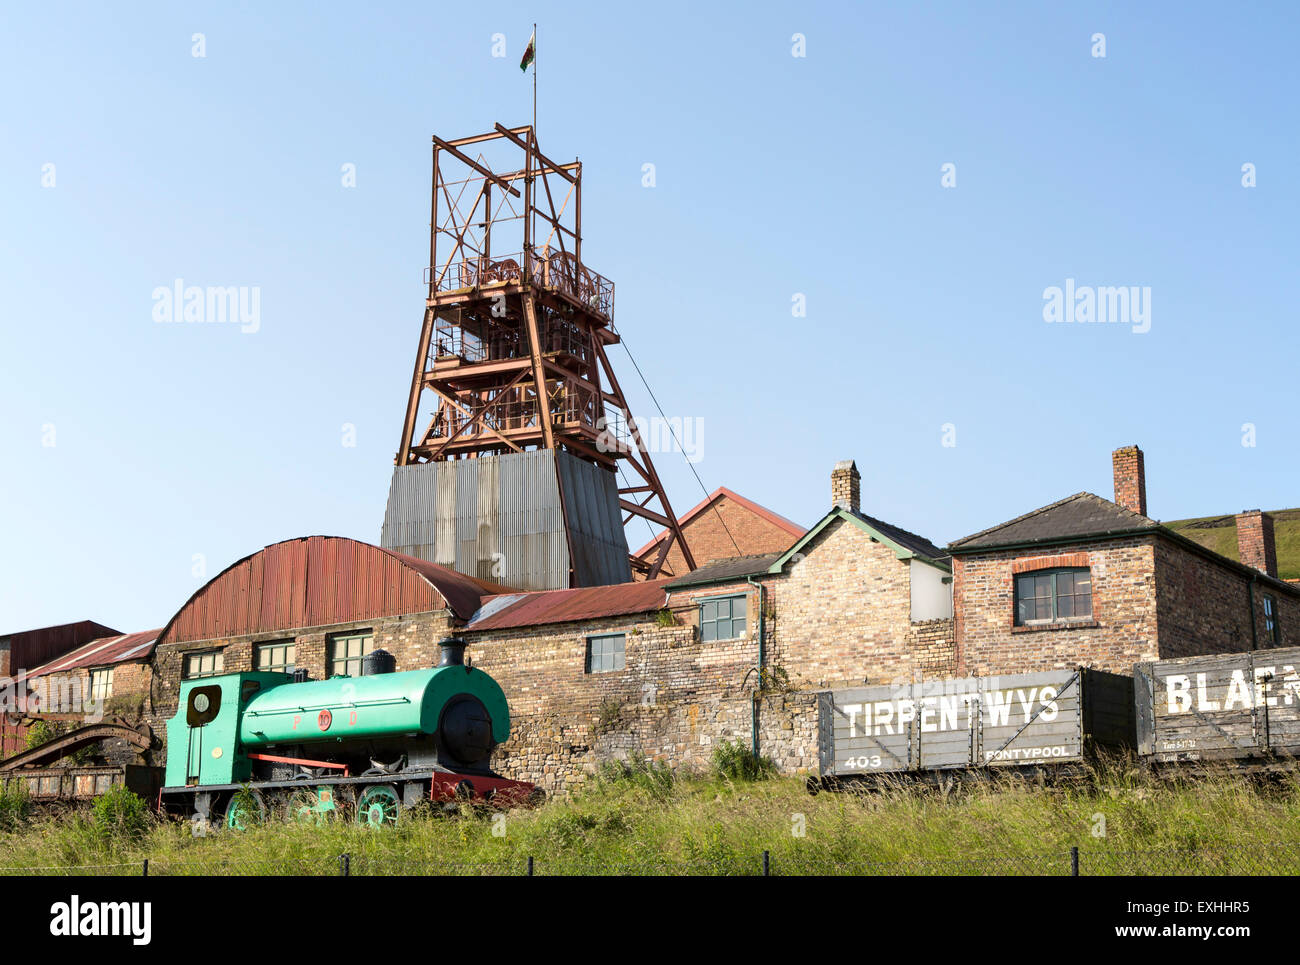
[
  {"x": 318, "y": 581},
  {"x": 102, "y": 653},
  {"x": 31, "y": 648},
  {"x": 566, "y": 606}
]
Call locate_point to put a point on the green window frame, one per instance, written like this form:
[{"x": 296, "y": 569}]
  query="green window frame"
[
  {"x": 723, "y": 618},
  {"x": 277, "y": 656},
  {"x": 204, "y": 663},
  {"x": 1271, "y": 628},
  {"x": 101, "y": 683},
  {"x": 1053, "y": 596},
  {"x": 347, "y": 650},
  {"x": 606, "y": 652}
]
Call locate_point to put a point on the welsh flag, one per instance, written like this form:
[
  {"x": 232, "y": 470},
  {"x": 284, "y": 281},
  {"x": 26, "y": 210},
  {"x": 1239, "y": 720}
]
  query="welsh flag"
[{"x": 530, "y": 54}]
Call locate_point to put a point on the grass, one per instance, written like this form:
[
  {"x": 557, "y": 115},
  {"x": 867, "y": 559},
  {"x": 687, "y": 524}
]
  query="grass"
[
  {"x": 1219, "y": 534},
  {"x": 641, "y": 819}
]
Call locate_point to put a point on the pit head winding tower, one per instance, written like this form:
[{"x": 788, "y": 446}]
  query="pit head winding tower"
[{"x": 520, "y": 461}]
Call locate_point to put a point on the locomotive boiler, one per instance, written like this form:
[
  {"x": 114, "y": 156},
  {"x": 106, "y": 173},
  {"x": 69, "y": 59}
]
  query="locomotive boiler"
[{"x": 246, "y": 747}]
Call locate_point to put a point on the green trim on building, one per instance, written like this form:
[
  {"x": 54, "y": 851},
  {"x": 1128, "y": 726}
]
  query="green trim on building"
[{"x": 900, "y": 551}]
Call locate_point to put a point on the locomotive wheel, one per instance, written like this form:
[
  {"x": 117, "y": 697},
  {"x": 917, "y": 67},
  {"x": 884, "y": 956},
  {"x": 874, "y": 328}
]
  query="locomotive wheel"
[
  {"x": 244, "y": 810},
  {"x": 300, "y": 807},
  {"x": 378, "y": 806}
]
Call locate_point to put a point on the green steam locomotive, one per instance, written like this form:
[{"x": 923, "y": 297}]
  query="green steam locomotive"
[{"x": 245, "y": 748}]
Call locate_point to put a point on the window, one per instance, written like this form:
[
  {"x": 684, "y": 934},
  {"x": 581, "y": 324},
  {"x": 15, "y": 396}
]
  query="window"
[
  {"x": 277, "y": 656},
  {"x": 1045, "y": 596},
  {"x": 101, "y": 684},
  {"x": 722, "y": 619},
  {"x": 347, "y": 650},
  {"x": 606, "y": 652},
  {"x": 209, "y": 663},
  {"x": 1271, "y": 628}
]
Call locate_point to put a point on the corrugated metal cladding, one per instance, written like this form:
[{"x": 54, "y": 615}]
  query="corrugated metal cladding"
[
  {"x": 102, "y": 653},
  {"x": 568, "y": 606},
  {"x": 501, "y": 518},
  {"x": 318, "y": 581}
]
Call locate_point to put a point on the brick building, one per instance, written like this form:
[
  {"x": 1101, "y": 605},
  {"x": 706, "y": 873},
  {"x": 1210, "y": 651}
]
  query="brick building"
[
  {"x": 1088, "y": 581},
  {"x": 732, "y": 651},
  {"x": 737, "y": 649},
  {"x": 723, "y": 526}
]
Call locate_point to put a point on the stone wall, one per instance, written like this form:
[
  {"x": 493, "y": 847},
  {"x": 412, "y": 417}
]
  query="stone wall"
[{"x": 674, "y": 700}]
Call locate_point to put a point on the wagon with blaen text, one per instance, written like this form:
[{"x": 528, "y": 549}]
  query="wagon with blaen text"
[{"x": 1242, "y": 708}]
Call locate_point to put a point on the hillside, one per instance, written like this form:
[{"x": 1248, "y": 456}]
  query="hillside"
[
  {"x": 1219, "y": 533},
  {"x": 650, "y": 823}
]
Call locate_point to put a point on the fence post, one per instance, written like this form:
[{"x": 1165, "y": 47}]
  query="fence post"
[
  {"x": 767, "y": 864},
  {"x": 345, "y": 865},
  {"x": 530, "y": 866},
  {"x": 1074, "y": 862},
  {"x": 145, "y": 871}
]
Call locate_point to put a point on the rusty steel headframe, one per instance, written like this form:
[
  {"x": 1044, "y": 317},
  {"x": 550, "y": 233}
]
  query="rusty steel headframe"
[{"x": 516, "y": 326}]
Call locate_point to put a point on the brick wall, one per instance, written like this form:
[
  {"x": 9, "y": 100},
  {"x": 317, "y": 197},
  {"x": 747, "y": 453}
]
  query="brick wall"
[
  {"x": 844, "y": 616},
  {"x": 1204, "y": 607},
  {"x": 1122, "y": 630},
  {"x": 739, "y": 532},
  {"x": 1152, "y": 599}
]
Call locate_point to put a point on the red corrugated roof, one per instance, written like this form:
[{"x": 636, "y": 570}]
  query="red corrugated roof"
[
  {"x": 31, "y": 648},
  {"x": 567, "y": 606},
  {"x": 102, "y": 653},
  {"x": 793, "y": 528},
  {"x": 464, "y": 594},
  {"x": 317, "y": 581}
]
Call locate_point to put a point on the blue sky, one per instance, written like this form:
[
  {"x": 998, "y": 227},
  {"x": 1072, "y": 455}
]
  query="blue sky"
[{"x": 775, "y": 175}]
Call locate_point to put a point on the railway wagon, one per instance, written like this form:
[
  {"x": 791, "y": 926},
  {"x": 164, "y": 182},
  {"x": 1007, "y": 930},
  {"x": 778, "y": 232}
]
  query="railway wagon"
[
  {"x": 1220, "y": 707},
  {"x": 1050, "y": 718},
  {"x": 76, "y": 783}
]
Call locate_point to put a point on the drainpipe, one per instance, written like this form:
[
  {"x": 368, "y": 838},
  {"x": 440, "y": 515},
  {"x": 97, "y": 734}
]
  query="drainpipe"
[
  {"x": 762, "y": 629},
  {"x": 1254, "y": 630}
]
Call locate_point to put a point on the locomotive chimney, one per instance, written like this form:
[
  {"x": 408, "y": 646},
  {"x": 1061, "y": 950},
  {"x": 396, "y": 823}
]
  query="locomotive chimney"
[
  {"x": 378, "y": 662},
  {"x": 453, "y": 652}
]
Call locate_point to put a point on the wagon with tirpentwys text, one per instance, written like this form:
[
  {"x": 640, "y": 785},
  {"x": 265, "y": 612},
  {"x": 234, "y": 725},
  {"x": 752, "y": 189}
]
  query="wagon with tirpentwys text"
[{"x": 938, "y": 729}]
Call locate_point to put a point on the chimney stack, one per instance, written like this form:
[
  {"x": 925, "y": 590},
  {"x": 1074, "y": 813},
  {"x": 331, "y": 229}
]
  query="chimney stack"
[
  {"x": 1255, "y": 541},
  {"x": 846, "y": 485},
  {"x": 1130, "y": 479}
]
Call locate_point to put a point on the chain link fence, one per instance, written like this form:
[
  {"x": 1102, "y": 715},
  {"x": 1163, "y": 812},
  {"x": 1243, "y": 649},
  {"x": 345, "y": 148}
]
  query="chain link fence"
[{"x": 1272, "y": 859}]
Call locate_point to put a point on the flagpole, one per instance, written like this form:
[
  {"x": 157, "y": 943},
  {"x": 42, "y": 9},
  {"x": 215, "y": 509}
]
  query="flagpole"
[{"x": 534, "y": 80}]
